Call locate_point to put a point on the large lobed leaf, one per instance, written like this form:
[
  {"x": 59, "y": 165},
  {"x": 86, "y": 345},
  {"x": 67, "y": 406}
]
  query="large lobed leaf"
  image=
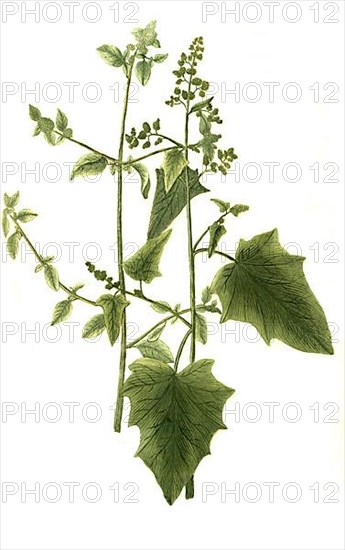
[
  {"x": 177, "y": 415},
  {"x": 266, "y": 287},
  {"x": 143, "y": 265},
  {"x": 168, "y": 205}
]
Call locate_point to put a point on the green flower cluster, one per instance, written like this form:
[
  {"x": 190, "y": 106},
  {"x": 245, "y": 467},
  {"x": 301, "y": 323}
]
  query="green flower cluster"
[
  {"x": 102, "y": 276},
  {"x": 145, "y": 135}
]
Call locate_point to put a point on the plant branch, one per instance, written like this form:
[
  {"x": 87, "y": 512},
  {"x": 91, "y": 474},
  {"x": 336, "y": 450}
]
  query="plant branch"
[
  {"x": 174, "y": 313},
  {"x": 199, "y": 250},
  {"x": 180, "y": 349},
  {"x": 41, "y": 261},
  {"x": 133, "y": 161},
  {"x": 208, "y": 228},
  {"x": 147, "y": 332},
  {"x": 85, "y": 146}
]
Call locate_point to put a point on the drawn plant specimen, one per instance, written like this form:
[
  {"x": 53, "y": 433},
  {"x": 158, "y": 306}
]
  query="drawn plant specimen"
[{"x": 177, "y": 408}]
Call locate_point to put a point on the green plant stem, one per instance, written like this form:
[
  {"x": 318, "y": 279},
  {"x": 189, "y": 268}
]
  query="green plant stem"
[
  {"x": 40, "y": 259},
  {"x": 215, "y": 252},
  {"x": 167, "y": 138},
  {"x": 85, "y": 146},
  {"x": 180, "y": 349},
  {"x": 208, "y": 228},
  {"x": 162, "y": 322},
  {"x": 133, "y": 161},
  {"x": 122, "y": 365}
]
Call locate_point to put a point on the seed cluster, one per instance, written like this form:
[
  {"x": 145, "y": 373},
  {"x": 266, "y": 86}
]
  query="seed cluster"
[
  {"x": 145, "y": 135},
  {"x": 102, "y": 276}
]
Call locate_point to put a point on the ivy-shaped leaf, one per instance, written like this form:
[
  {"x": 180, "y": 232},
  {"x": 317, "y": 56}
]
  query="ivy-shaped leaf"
[
  {"x": 217, "y": 231},
  {"x": 89, "y": 165},
  {"x": 113, "y": 308},
  {"x": 238, "y": 209},
  {"x": 266, "y": 287},
  {"x": 177, "y": 414},
  {"x": 143, "y": 265},
  {"x": 26, "y": 215},
  {"x": 51, "y": 276},
  {"x": 155, "y": 350},
  {"x": 62, "y": 311},
  {"x": 111, "y": 55},
  {"x": 173, "y": 164},
  {"x": 144, "y": 177},
  {"x": 167, "y": 206},
  {"x": 94, "y": 327}
]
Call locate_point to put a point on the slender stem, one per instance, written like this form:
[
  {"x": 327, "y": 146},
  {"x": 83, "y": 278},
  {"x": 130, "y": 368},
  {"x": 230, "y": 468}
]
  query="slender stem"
[
  {"x": 208, "y": 228},
  {"x": 40, "y": 259},
  {"x": 85, "y": 146},
  {"x": 162, "y": 322},
  {"x": 133, "y": 161},
  {"x": 199, "y": 250},
  {"x": 168, "y": 139},
  {"x": 122, "y": 366},
  {"x": 155, "y": 302},
  {"x": 180, "y": 349}
]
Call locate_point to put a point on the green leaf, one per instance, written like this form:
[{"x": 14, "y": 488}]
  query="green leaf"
[
  {"x": 211, "y": 308},
  {"x": 161, "y": 307},
  {"x": 146, "y": 37},
  {"x": 39, "y": 268},
  {"x": 113, "y": 308},
  {"x": 11, "y": 201},
  {"x": 155, "y": 350},
  {"x": 173, "y": 164},
  {"x": 208, "y": 145},
  {"x": 36, "y": 131},
  {"x": 77, "y": 287},
  {"x": 51, "y": 276},
  {"x": 177, "y": 414},
  {"x": 144, "y": 177},
  {"x": 160, "y": 57},
  {"x": 201, "y": 105},
  {"x": 46, "y": 125},
  {"x": 201, "y": 328},
  {"x": 266, "y": 287},
  {"x": 13, "y": 245},
  {"x": 62, "y": 311},
  {"x": 143, "y": 71},
  {"x": 26, "y": 215},
  {"x": 5, "y": 223},
  {"x": 155, "y": 334},
  {"x": 89, "y": 165},
  {"x": 111, "y": 55},
  {"x": 167, "y": 206},
  {"x": 204, "y": 124},
  {"x": 94, "y": 327},
  {"x": 143, "y": 265},
  {"x": 222, "y": 205},
  {"x": 61, "y": 121},
  {"x": 206, "y": 295},
  {"x": 34, "y": 113},
  {"x": 238, "y": 209},
  {"x": 217, "y": 231}
]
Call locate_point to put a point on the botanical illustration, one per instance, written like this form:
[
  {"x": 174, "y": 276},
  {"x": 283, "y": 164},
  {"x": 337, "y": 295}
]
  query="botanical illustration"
[{"x": 175, "y": 401}]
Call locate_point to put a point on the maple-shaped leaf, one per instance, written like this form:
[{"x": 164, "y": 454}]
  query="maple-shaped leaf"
[
  {"x": 177, "y": 414},
  {"x": 266, "y": 287}
]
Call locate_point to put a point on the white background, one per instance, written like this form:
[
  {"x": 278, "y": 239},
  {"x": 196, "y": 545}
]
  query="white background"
[{"x": 306, "y": 212}]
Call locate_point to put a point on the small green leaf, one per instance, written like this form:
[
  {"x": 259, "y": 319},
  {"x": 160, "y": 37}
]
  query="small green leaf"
[
  {"x": 94, "y": 327},
  {"x": 155, "y": 350},
  {"x": 161, "y": 307},
  {"x": 167, "y": 206},
  {"x": 26, "y": 215},
  {"x": 89, "y": 165},
  {"x": 39, "y": 268},
  {"x": 206, "y": 295},
  {"x": 208, "y": 146},
  {"x": 11, "y": 201},
  {"x": 34, "y": 113},
  {"x": 144, "y": 177},
  {"x": 61, "y": 121},
  {"x": 143, "y": 265},
  {"x": 211, "y": 308},
  {"x": 217, "y": 231},
  {"x": 77, "y": 287},
  {"x": 201, "y": 328},
  {"x": 36, "y": 131},
  {"x": 266, "y": 287},
  {"x": 51, "y": 276},
  {"x": 111, "y": 55},
  {"x": 238, "y": 209},
  {"x": 5, "y": 223},
  {"x": 177, "y": 414},
  {"x": 146, "y": 37},
  {"x": 201, "y": 105},
  {"x": 155, "y": 334},
  {"x": 113, "y": 308},
  {"x": 160, "y": 57},
  {"x": 204, "y": 124},
  {"x": 143, "y": 71},
  {"x": 62, "y": 311},
  {"x": 222, "y": 205},
  {"x": 13, "y": 245},
  {"x": 46, "y": 125},
  {"x": 173, "y": 164}
]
